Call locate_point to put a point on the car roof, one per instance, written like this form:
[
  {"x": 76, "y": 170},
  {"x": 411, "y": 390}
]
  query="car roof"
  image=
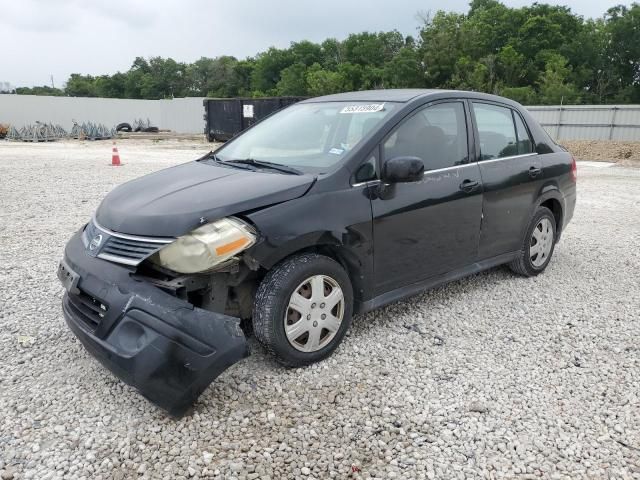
[
  {"x": 386, "y": 95},
  {"x": 401, "y": 95}
]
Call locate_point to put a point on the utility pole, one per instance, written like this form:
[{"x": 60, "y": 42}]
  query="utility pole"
[{"x": 52, "y": 85}]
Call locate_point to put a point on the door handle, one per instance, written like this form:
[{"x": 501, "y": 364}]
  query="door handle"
[
  {"x": 469, "y": 186},
  {"x": 534, "y": 172}
]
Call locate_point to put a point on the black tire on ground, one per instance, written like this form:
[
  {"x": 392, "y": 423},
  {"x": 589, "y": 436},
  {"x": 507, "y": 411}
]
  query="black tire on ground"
[
  {"x": 151, "y": 129},
  {"x": 123, "y": 127},
  {"x": 523, "y": 264},
  {"x": 272, "y": 300}
]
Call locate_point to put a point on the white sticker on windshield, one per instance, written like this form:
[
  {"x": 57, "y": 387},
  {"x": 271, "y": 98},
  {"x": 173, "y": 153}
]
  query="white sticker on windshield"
[
  {"x": 372, "y": 107},
  {"x": 336, "y": 151}
]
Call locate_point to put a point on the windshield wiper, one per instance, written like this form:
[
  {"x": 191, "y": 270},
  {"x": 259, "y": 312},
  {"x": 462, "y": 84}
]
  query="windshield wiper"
[
  {"x": 264, "y": 164},
  {"x": 212, "y": 156}
]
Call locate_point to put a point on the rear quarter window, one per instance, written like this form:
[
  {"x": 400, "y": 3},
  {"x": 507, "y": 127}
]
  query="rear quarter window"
[{"x": 525, "y": 145}]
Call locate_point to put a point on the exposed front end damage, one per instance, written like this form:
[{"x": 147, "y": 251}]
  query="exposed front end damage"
[{"x": 163, "y": 345}]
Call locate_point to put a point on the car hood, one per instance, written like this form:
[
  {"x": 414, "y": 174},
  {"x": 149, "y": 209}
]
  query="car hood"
[{"x": 174, "y": 201}]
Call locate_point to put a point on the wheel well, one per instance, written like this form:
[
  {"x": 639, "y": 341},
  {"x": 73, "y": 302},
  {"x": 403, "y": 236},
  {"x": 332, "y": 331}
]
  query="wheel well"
[
  {"x": 333, "y": 252},
  {"x": 328, "y": 251},
  {"x": 555, "y": 207}
]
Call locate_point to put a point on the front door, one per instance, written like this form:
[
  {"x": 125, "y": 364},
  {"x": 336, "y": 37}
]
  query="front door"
[{"x": 432, "y": 226}]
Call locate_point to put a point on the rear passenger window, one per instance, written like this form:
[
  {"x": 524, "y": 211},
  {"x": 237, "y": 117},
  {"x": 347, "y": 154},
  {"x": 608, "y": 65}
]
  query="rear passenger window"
[
  {"x": 436, "y": 134},
  {"x": 525, "y": 145},
  {"x": 496, "y": 130}
]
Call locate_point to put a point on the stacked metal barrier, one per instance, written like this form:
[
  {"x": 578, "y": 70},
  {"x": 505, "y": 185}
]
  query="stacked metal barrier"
[
  {"x": 13, "y": 134},
  {"x": 140, "y": 125},
  {"x": 48, "y": 132},
  {"x": 92, "y": 131},
  {"x": 38, "y": 132}
]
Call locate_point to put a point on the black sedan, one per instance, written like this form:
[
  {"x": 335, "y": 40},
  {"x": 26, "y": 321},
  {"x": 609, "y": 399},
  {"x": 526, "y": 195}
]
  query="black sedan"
[{"x": 333, "y": 206}]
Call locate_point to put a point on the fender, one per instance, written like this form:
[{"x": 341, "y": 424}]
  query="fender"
[
  {"x": 548, "y": 191},
  {"x": 337, "y": 224}
]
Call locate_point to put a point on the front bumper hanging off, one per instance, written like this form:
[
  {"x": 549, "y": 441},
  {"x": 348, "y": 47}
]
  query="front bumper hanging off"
[{"x": 163, "y": 346}]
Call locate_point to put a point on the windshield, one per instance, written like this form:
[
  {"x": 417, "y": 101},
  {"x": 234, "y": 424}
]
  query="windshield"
[{"x": 311, "y": 137}]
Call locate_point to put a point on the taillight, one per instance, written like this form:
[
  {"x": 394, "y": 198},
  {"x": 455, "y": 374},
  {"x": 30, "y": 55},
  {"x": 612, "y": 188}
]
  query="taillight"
[{"x": 574, "y": 170}]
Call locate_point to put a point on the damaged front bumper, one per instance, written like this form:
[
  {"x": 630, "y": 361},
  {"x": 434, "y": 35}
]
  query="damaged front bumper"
[{"x": 163, "y": 346}]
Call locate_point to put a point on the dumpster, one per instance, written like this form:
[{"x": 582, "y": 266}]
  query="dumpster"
[{"x": 226, "y": 117}]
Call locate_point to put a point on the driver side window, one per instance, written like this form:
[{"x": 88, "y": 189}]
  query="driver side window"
[{"x": 436, "y": 134}]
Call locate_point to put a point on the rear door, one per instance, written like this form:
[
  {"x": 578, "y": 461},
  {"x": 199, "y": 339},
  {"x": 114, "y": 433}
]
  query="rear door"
[
  {"x": 432, "y": 226},
  {"x": 511, "y": 177}
]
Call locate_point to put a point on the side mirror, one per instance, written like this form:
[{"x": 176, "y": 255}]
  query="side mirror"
[{"x": 403, "y": 170}]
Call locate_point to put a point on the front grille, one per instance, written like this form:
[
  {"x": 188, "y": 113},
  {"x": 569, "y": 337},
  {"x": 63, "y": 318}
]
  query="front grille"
[
  {"x": 133, "y": 250},
  {"x": 119, "y": 247},
  {"x": 88, "y": 309}
]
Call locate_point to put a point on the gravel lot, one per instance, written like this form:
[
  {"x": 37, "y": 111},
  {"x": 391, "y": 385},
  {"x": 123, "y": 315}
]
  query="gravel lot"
[{"x": 493, "y": 376}]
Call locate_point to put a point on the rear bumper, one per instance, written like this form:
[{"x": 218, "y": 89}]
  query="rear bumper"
[
  {"x": 163, "y": 346},
  {"x": 569, "y": 207}
]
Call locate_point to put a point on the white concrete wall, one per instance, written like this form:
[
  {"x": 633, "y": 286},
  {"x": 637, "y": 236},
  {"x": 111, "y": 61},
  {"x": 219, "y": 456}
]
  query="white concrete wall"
[{"x": 182, "y": 115}]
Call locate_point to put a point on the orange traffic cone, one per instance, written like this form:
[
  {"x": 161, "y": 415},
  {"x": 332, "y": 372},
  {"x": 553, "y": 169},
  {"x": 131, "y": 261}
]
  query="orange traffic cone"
[{"x": 115, "y": 156}]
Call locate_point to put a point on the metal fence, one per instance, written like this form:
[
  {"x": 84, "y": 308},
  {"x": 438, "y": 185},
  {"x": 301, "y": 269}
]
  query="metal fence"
[{"x": 590, "y": 122}]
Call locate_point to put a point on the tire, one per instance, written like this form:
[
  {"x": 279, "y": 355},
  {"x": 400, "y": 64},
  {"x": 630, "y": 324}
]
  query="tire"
[
  {"x": 532, "y": 261},
  {"x": 272, "y": 309},
  {"x": 123, "y": 127}
]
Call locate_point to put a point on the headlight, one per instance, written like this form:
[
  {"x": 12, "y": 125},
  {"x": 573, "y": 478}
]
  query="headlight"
[{"x": 206, "y": 246}]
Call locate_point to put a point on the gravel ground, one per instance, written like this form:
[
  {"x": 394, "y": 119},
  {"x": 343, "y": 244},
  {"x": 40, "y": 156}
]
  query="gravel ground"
[{"x": 493, "y": 376}]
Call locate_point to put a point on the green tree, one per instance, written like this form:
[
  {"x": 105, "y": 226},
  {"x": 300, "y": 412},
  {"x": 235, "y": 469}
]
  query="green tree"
[
  {"x": 511, "y": 65},
  {"x": 293, "y": 80},
  {"x": 268, "y": 66},
  {"x": 323, "y": 82},
  {"x": 306, "y": 52},
  {"x": 623, "y": 29},
  {"x": 110, "y": 86},
  {"x": 332, "y": 55},
  {"x": 489, "y": 27},
  {"x": 441, "y": 47},
  {"x": 80, "y": 86},
  {"x": 404, "y": 70},
  {"x": 553, "y": 85},
  {"x": 222, "y": 78},
  {"x": 351, "y": 76},
  {"x": 469, "y": 75},
  {"x": 372, "y": 49},
  {"x": 523, "y": 95},
  {"x": 43, "y": 90},
  {"x": 244, "y": 72}
]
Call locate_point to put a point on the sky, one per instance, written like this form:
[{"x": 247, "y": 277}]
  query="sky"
[{"x": 41, "y": 38}]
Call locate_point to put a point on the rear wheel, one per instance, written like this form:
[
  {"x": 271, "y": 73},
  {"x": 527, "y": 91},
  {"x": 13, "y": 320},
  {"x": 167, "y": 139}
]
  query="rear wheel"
[
  {"x": 538, "y": 245},
  {"x": 303, "y": 308}
]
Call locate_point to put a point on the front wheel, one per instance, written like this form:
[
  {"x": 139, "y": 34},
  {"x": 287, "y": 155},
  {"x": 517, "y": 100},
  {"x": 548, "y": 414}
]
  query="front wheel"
[
  {"x": 538, "y": 245},
  {"x": 303, "y": 308}
]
